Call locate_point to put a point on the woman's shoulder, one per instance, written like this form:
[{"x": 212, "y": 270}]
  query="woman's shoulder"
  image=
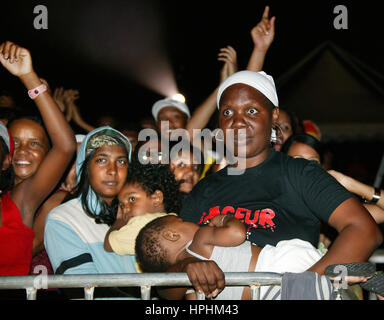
[{"x": 66, "y": 210}]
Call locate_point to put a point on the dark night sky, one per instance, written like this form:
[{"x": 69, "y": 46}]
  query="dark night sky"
[
  {"x": 191, "y": 34},
  {"x": 93, "y": 45}
]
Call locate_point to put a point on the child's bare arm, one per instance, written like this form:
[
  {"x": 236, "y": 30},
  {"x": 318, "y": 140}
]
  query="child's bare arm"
[
  {"x": 120, "y": 221},
  {"x": 223, "y": 230}
]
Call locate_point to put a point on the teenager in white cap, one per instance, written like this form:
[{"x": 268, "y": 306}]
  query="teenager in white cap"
[
  {"x": 176, "y": 112},
  {"x": 277, "y": 197},
  {"x": 19, "y": 203}
]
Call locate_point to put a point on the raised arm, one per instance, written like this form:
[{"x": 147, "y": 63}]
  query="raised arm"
[
  {"x": 29, "y": 194},
  {"x": 70, "y": 96},
  {"x": 262, "y": 36},
  {"x": 204, "y": 112}
]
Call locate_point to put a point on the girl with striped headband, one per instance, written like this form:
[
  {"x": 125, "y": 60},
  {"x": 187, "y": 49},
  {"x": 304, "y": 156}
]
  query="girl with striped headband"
[{"x": 74, "y": 231}]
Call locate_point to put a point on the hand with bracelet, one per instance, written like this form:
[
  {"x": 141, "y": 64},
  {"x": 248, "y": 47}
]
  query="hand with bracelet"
[
  {"x": 29, "y": 194},
  {"x": 374, "y": 197}
]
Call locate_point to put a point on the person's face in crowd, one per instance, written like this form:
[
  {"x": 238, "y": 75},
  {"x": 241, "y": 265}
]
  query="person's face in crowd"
[
  {"x": 176, "y": 118},
  {"x": 134, "y": 201},
  {"x": 107, "y": 171},
  {"x": 302, "y": 150},
  {"x": 284, "y": 122},
  {"x": 243, "y": 107},
  {"x": 31, "y": 146},
  {"x": 185, "y": 171}
]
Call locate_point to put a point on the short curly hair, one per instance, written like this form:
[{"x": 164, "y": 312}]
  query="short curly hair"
[
  {"x": 150, "y": 254},
  {"x": 152, "y": 177}
]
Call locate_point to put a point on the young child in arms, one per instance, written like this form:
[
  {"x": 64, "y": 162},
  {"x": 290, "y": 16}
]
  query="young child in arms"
[
  {"x": 167, "y": 240},
  {"x": 149, "y": 189}
]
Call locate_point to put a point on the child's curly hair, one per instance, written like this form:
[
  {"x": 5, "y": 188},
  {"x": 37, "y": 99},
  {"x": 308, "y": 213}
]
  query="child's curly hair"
[
  {"x": 150, "y": 254},
  {"x": 152, "y": 177}
]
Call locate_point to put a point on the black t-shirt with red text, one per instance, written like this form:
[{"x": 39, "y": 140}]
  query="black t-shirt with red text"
[{"x": 282, "y": 198}]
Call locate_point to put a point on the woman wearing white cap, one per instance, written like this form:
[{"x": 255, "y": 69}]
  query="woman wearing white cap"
[{"x": 277, "y": 197}]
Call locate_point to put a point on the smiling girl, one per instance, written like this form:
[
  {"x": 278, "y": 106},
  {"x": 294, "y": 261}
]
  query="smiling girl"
[
  {"x": 31, "y": 146},
  {"x": 19, "y": 202}
]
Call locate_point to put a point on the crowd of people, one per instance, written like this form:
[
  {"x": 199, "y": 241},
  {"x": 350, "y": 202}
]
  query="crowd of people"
[{"x": 102, "y": 200}]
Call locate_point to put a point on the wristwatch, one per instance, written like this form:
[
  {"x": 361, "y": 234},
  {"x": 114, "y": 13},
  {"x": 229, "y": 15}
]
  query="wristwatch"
[
  {"x": 33, "y": 93},
  {"x": 376, "y": 197}
]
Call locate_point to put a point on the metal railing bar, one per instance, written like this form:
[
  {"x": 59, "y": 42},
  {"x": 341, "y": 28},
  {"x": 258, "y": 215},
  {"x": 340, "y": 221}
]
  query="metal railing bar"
[
  {"x": 145, "y": 292},
  {"x": 130, "y": 280}
]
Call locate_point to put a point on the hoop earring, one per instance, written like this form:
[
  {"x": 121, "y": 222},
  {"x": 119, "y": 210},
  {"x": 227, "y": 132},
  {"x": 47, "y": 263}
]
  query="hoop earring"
[
  {"x": 277, "y": 134},
  {"x": 273, "y": 136}
]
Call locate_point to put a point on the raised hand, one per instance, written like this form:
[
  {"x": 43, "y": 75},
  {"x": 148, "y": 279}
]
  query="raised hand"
[
  {"x": 59, "y": 98},
  {"x": 229, "y": 56},
  {"x": 17, "y": 60},
  {"x": 70, "y": 96},
  {"x": 73, "y": 113},
  {"x": 264, "y": 32}
]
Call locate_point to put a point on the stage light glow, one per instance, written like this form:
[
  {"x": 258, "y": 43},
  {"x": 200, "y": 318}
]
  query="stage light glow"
[
  {"x": 178, "y": 97},
  {"x": 127, "y": 37}
]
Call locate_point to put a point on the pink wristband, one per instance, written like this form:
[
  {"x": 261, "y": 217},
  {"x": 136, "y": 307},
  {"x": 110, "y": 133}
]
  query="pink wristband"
[{"x": 33, "y": 93}]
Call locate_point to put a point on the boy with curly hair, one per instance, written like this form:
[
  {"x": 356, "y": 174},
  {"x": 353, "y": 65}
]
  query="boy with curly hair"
[{"x": 149, "y": 188}]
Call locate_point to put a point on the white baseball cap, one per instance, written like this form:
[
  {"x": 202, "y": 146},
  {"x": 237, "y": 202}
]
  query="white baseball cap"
[{"x": 167, "y": 102}]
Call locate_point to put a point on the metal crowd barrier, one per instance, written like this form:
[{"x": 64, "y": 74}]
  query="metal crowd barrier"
[
  {"x": 376, "y": 258},
  {"x": 148, "y": 280},
  {"x": 143, "y": 280}
]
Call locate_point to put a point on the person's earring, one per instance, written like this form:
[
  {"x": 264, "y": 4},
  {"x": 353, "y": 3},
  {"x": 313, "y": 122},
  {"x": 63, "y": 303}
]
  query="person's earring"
[
  {"x": 277, "y": 135},
  {"x": 273, "y": 136}
]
